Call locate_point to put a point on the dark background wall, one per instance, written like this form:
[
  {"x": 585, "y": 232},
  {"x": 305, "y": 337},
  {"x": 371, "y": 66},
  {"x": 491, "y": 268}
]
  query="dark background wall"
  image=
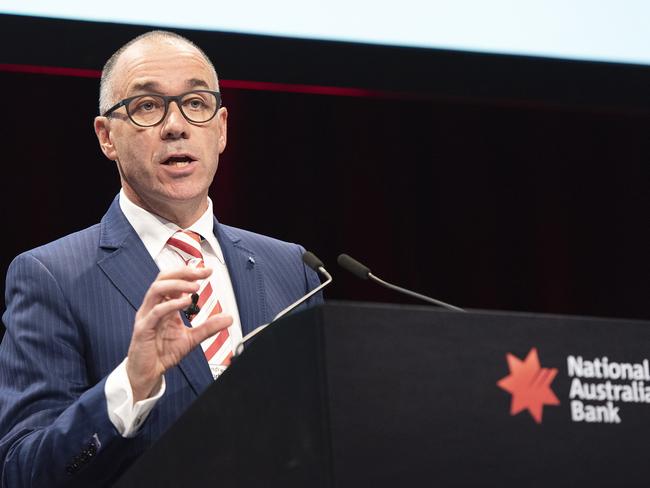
[{"x": 488, "y": 181}]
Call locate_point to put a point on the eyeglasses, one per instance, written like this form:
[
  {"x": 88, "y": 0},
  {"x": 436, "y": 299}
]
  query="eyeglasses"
[{"x": 197, "y": 106}]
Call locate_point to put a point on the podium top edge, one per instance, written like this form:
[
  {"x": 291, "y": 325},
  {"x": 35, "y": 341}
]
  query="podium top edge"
[{"x": 347, "y": 304}]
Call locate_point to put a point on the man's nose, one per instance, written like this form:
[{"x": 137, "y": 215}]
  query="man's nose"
[{"x": 174, "y": 125}]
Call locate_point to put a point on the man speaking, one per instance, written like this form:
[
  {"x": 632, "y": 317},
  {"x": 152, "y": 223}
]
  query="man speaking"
[{"x": 113, "y": 331}]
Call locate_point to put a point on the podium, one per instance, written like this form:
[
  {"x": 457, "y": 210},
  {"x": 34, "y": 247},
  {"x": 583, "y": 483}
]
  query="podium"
[{"x": 355, "y": 395}]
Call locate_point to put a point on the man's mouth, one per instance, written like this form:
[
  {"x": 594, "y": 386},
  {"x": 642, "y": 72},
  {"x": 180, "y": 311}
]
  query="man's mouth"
[{"x": 178, "y": 161}]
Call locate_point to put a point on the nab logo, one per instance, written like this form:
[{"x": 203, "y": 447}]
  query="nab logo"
[{"x": 529, "y": 384}]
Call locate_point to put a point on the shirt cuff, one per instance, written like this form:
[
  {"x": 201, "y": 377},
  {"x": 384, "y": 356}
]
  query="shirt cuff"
[{"x": 126, "y": 416}]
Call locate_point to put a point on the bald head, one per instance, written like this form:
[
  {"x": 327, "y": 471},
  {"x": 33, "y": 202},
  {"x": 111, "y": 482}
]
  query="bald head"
[{"x": 107, "y": 95}]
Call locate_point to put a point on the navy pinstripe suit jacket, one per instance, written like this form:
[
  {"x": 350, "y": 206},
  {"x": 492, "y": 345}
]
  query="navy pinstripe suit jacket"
[{"x": 70, "y": 311}]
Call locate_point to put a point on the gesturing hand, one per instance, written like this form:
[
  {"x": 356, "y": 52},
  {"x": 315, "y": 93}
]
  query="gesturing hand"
[{"x": 160, "y": 339}]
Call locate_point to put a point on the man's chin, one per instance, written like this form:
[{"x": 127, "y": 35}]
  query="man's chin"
[{"x": 181, "y": 197}]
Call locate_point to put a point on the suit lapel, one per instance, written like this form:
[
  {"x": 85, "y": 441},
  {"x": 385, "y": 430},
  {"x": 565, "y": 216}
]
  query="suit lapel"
[
  {"x": 245, "y": 269},
  {"x": 131, "y": 269}
]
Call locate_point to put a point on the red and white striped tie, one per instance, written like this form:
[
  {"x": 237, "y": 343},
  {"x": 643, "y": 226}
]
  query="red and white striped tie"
[{"x": 218, "y": 348}]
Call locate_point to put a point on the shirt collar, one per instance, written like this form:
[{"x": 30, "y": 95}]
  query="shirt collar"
[{"x": 155, "y": 231}]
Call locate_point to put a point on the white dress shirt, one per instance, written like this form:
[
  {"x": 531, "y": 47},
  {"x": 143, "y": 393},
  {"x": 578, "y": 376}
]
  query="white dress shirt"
[{"x": 154, "y": 231}]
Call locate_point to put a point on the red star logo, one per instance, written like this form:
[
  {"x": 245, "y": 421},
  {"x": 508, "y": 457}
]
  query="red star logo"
[{"x": 529, "y": 384}]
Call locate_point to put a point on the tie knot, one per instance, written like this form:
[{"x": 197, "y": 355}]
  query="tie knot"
[
  {"x": 187, "y": 243},
  {"x": 197, "y": 237}
]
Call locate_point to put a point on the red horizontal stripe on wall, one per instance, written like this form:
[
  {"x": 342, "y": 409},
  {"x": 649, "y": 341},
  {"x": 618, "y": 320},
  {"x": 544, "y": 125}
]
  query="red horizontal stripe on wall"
[
  {"x": 234, "y": 84},
  {"x": 50, "y": 70},
  {"x": 298, "y": 88}
]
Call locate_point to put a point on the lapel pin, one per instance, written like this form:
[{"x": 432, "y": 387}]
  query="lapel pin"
[{"x": 251, "y": 262}]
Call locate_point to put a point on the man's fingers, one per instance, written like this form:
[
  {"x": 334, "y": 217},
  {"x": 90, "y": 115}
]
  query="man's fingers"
[
  {"x": 169, "y": 306},
  {"x": 160, "y": 290},
  {"x": 185, "y": 273},
  {"x": 210, "y": 327},
  {"x": 173, "y": 283}
]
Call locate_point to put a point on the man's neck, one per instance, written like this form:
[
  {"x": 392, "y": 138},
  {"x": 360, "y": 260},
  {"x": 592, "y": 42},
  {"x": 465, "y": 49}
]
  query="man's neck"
[{"x": 183, "y": 214}]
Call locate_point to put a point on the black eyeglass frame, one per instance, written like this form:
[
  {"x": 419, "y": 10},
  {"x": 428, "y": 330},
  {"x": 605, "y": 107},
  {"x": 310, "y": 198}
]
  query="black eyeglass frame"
[{"x": 167, "y": 99}]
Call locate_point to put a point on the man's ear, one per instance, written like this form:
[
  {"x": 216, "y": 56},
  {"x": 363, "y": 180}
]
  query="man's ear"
[
  {"x": 222, "y": 120},
  {"x": 103, "y": 133}
]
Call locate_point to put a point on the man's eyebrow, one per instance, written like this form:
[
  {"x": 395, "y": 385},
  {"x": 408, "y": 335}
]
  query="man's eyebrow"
[
  {"x": 154, "y": 87},
  {"x": 197, "y": 83},
  {"x": 146, "y": 86}
]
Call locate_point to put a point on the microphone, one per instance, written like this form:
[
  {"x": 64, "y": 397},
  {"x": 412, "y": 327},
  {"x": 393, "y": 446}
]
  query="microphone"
[
  {"x": 193, "y": 309},
  {"x": 363, "y": 272},
  {"x": 314, "y": 263}
]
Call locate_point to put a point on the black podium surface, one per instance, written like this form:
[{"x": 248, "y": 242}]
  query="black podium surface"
[{"x": 358, "y": 395}]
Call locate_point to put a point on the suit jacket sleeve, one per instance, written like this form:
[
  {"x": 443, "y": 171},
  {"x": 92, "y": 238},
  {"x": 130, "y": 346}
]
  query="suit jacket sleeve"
[{"x": 54, "y": 424}]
